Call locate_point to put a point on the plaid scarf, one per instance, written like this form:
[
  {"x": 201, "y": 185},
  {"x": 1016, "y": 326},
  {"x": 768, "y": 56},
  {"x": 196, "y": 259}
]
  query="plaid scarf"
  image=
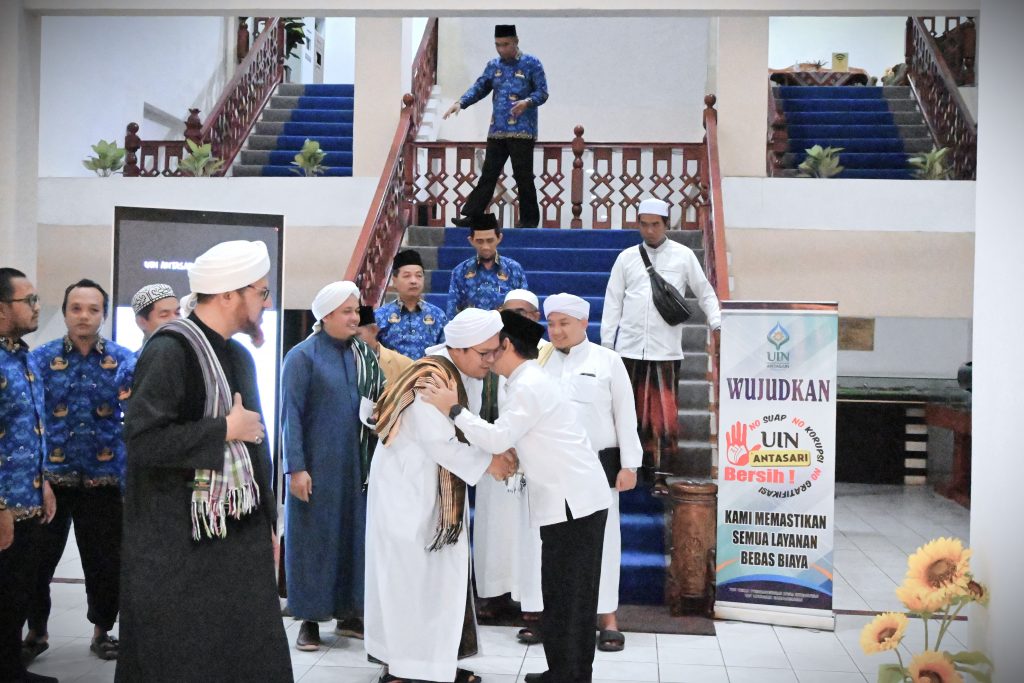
[
  {"x": 451, "y": 491},
  {"x": 232, "y": 491},
  {"x": 369, "y": 384}
]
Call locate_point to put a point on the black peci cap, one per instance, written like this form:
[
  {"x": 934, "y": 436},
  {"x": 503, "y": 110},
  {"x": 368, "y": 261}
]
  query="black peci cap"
[
  {"x": 505, "y": 31},
  {"x": 409, "y": 257},
  {"x": 366, "y": 316},
  {"x": 485, "y": 221},
  {"x": 522, "y": 328}
]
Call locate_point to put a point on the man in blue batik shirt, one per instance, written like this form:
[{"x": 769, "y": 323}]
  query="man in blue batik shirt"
[
  {"x": 25, "y": 497},
  {"x": 482, "y": 281},
  {"x": 85, "y": 460},
  {"x": 519, "y": 86},
  {"x": 409, "y": 324}
]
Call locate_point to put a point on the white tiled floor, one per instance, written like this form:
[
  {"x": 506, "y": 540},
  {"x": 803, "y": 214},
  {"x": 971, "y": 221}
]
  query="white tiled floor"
[{"x": 877, "y": 527}]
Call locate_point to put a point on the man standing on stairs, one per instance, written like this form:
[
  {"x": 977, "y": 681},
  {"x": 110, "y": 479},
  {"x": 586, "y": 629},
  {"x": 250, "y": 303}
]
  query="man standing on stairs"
[
  {"x": 519, "y": 86},
  {"x": 483, "y": 281},
  {"x": 409, "y": 324},
  {"x": 595, "y": 380},
  {"x": 651, "y": 348}
]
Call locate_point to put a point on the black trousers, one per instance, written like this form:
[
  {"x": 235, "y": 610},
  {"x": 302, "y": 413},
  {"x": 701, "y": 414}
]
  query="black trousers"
[
  {"x": 570, "y": 569},
  {"x": 19, "y": 566},
  {"x": 96, "y": 513},
  {"x": 499, "y": 150}
]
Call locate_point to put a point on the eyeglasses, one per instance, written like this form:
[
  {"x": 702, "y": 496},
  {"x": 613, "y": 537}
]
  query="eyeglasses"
[
  {"x": 264, "y": 292},
  {"x": 487, "y": 355},
  {"x": 31, "y": 300}
]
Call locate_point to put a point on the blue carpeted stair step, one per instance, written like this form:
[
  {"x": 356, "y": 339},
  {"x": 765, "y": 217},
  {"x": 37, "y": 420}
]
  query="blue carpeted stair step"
[
  {"x": 308, "y": 129},
  {"x": 888, "y": 144},
  {"x": 329, "y": 89},
  {"x": 838, "y": 92},
  {"x": 284, "y": 158},
  {"x": 835, "y": 104},
  {"x": 289, "y": 171},
  {"x": 642, "y": 578},
  {"x": 596, "y": 260},
  {"x": 877, "y": 173},
  {"x": 840, "y": 118},
  {"x": 308, "y": 115},
  {"x": 895, "y": 160}
]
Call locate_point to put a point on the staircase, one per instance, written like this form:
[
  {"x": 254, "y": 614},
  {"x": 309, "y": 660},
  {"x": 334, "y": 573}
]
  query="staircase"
[
  {"x": 879, "y": 128},
  {"x": 296, "y": 111},
  {"x": 579, "y": 261}
]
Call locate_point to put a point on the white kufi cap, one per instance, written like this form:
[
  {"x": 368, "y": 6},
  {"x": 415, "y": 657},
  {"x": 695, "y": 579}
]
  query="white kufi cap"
[
  {"x": 471, "y": 327},
  {"x": 569, "y": 304},
  {"x": 226, "y": 267},
  {"x": 655, "y": 206},
  {"x": 523, "y": 295},
  {"x": 332, "y": 296}
]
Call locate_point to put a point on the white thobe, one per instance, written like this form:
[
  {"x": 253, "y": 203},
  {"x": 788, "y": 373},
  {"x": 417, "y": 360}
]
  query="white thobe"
[
  {"x": 596, "y": 381},
  {"x": 416, "y": 598},
  {"x": 631, "y": 324}
]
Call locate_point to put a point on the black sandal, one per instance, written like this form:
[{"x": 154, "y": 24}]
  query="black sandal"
[
  {"x": 610, "y": 640},
  {"x": 105, "y": 647},
  {"x": 529, "y": 635},
  {"x": 467, "y": 676},
  {"x": 30, "y": 649}
]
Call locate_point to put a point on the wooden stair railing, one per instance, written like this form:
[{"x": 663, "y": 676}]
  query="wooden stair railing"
[
  {"x": 231, "y": 119},
  {"x": 944, "y": 109},
  {"x": 778, "y": 135},
  {"x": 957, "y": 44},
  {"x": 390, "y": 210}
]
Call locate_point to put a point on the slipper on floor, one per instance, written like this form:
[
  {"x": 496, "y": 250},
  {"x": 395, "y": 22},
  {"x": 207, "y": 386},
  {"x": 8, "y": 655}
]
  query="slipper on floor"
[
  {"x": 467, "y": 676},
  {"x": 529, "y": 635},
  {"x": 105, "y": 647},
  {"x": 30, "y": 649},
  {"x": 609, "y": 640}
]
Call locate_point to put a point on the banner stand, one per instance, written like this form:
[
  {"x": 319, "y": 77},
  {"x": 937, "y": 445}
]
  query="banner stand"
[{"x": 776, "y": 469}]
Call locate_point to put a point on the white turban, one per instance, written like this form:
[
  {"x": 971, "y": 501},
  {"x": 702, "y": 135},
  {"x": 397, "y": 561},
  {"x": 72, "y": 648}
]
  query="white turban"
[
  {"x": 471, "y": 327},
  {"x": 226, "y": 267},
  {"x": 332, "y": 296},
  {"x": 569, "y": 304},
  {"x": 523, "y": 295},
  {"x": 655, "y": 206}
]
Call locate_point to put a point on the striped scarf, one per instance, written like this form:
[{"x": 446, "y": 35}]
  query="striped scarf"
[
  {"x": 232, "y": 491},
  {"x": 451, "y": 491},
  {"x": 369, "y": 384}
]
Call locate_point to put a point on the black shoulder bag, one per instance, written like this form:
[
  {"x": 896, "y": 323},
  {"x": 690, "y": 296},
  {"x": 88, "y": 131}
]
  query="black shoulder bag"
[{"x": 669, "y": 301}]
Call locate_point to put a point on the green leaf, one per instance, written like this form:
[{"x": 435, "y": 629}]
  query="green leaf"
[
  {"x": 891, "y": 673},
  {"x": 972, "y": 657}
]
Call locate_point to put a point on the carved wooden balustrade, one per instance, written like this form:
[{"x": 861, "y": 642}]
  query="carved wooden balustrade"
[
  {"x": 778, "y": 135},
  {"x": 579, "y": 183},
  {"x": 957, "y": 44},
  {"x": 229, "y": 123},
  {"x": 944, "y": 109}
]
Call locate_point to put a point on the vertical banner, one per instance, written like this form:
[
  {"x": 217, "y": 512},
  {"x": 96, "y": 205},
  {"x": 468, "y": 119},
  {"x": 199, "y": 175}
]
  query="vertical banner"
[{"x": 776, "y": 462}]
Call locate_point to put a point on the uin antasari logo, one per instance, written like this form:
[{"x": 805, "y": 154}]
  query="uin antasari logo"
[{"x": 778, "y": 337}]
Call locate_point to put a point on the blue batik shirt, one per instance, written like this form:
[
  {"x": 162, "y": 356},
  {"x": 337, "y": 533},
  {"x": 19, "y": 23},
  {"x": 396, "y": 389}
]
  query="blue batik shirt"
[
  {"x": 83, "y": 412},
  {"x": 520, "y": 78},
  {"x": 22, "y": 441},
  {"x": 410, "y": 332},
  {"x": 473, "y": 286}
]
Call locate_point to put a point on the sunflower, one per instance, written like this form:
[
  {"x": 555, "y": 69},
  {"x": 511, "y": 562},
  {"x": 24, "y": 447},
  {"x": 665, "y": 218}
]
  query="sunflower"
[
  {"x": 919, "y": 600},
  {"x": 978, "y": 592},
  {"x": 933, "y": 667},
  {"x": 884, "y": 632},
  {"x": 940, "y": 565}
]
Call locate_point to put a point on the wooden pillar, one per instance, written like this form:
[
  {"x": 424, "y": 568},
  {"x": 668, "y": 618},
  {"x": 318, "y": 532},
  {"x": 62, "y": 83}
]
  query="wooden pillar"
[
  {"x": 576, "y": 192},
  {"x": 131, "y": 149},
  {"x": 690, "y": 588}
]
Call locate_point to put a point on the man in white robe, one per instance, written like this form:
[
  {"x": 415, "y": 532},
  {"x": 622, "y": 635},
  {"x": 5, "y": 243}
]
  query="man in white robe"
[
  {"x": 416, "y": 598},
  {"x": 594, "y": 378}
]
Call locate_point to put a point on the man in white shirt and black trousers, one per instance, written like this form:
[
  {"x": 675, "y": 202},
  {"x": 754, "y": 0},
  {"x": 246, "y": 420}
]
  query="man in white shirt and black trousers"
[
  {"x": 649, "y": 346},
  {"x": 568, "y": 492}
]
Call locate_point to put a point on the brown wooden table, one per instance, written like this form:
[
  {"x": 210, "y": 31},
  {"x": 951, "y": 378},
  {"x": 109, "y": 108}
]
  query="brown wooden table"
[
  {"x": 958, "y": 420},
  {"x": 823, "y": 77}
]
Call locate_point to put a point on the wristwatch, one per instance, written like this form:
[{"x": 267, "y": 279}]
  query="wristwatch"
[{"x": 454, "y": 411}]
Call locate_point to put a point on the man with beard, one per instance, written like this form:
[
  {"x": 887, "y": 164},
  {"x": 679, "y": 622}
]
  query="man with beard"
[
  {"x": 25, "y": 497},
  {"x": 419, "y": 610},
  {"x": 325, "y": 380},
  {"x": 199, "y": 598}
]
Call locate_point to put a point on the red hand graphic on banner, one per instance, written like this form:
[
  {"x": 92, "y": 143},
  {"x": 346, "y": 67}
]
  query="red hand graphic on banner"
[{"x": 736, "y": 451}]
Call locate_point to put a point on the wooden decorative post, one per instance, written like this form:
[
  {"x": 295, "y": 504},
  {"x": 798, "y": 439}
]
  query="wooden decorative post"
[
  {"x": 576, "y": 191},
  {"x": 242, "y": 44},
  {"x": 194, "y": 127},
  {"x": 690, "y": 588},
  {"x": 131, "y": 147}
]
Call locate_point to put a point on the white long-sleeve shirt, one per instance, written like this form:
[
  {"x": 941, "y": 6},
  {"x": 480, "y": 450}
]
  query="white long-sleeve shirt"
[
  {"x": 560, "y": 465},
  {"x": 630, "y": 323},
  {"x": 595, "y": 379}
]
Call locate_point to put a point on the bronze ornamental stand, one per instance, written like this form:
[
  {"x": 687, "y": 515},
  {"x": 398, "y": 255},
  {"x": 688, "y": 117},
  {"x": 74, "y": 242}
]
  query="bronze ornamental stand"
[{"x": 690, "y": 588}]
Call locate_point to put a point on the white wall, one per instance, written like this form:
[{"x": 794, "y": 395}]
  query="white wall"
[
  {"x": 589, "y": 79},
  {"x": 912, "y": 347},
  {"x": 105, "y": 68},
  {"x": 339, "y": 50},
  {"x": 874, "y": 43}
]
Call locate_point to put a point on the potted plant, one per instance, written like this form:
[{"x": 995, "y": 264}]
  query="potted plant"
[
  {"x": 109, "y": 158},
  {"x": 931, "y": 165},
  {"x": 308, "y": 161},
  {"x": 821, "y": 162},
  {"x": 200, "y": 162}
]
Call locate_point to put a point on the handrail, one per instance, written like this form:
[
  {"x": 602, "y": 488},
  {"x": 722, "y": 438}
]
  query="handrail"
[
  {"x": 944, "y": 109},
  {"x": 778, "y": 137},
  {"x": 230, "y": 121},
  {"x": 424, "y": 70}
]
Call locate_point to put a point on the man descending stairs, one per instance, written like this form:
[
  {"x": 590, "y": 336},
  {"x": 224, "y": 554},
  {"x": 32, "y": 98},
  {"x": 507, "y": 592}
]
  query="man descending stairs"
[
  {"x": 296, "y": 113},
  {"x": 878, "y": 128},
  {"x": 579, "y": 262}
]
